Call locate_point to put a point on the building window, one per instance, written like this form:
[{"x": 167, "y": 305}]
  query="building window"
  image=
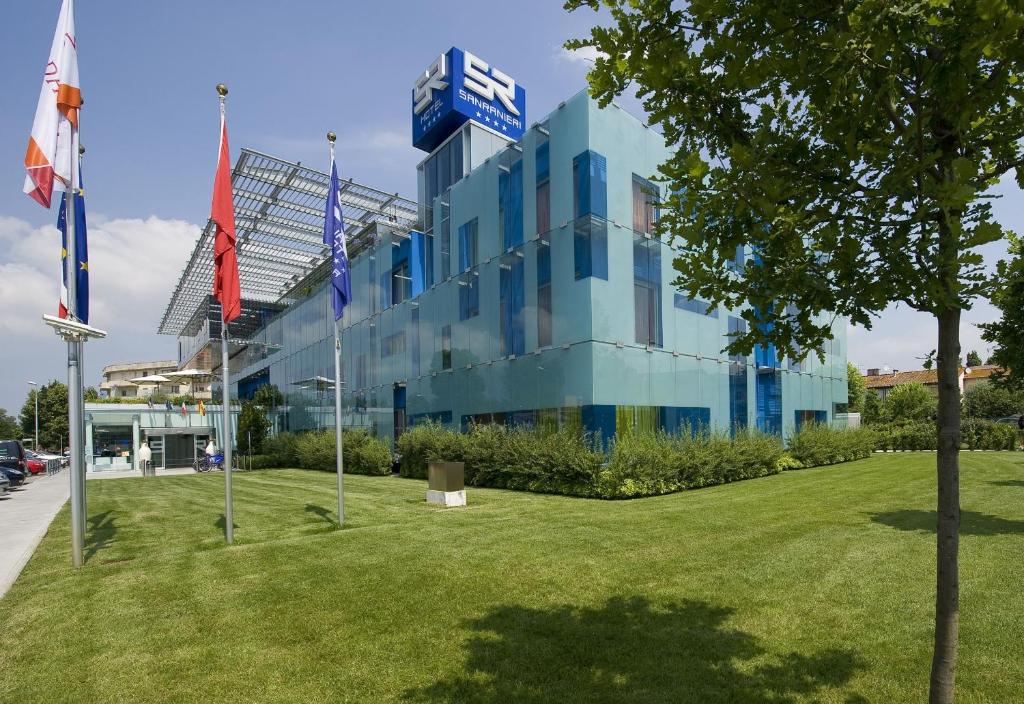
[
  {"x": 543, "y": 159},
  {"x": 446, "y": 242},
  {"x": 512, "y": 300},
  {"x": 694, "y": 305},
  {"x": 373, "y": 284},
  {"x": 468, "y": 243},
  {"x": 510, "y": 199},
  {"x": 416, "y": 341},
  {"x": 647, "y": 290},
  {"x": 645, "y": 199},
  {"x": 361, "y": 371},
  {"x": 590, "y": 248},
  {"x": 543, "y": 294},
  {"x": 392, "y": 344},
  {"x": 401, "y": 283},
  {"x": 737, "y": 380},
  {"x": 469, "y": 296},
  {"x": 590, "y": 185},
  {"x": 446, "y": 347}
]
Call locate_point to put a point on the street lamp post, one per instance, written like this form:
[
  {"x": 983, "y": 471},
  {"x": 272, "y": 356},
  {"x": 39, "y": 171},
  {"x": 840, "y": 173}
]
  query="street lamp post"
[{"x": 35, "y": 442}]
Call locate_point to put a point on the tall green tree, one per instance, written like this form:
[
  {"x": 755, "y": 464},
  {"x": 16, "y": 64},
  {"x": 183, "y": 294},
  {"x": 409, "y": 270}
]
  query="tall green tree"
[
  {"x": 53, "y": 415},
  {"x": 855, "y": 388},
  {"x": 1007, "y": 333},
  {"x": 10, "y": 428},
  {"x": 973, "y": 359},
  {"x": 252, "y": 427},
  {"x": 909, "y": 402},
  {"x": 851, "y": 145}
]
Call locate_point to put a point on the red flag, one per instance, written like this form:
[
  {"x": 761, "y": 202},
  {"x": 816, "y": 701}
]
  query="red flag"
[
  {"x": 184, "y": 411},
  {"x": 222, "y": 212}
]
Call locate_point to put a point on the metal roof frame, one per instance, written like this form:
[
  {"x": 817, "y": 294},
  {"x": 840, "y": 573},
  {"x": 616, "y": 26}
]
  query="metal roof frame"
[{"x": 279, "y": 218}]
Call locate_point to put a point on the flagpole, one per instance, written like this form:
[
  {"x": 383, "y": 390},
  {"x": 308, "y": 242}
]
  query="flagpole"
[
  {"x": 229, "y": 527},
  {"x": 338, "y": 439},
  {"x": 75, "y": 439}
]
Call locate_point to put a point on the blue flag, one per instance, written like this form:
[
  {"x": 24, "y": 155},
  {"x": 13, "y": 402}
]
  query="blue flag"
[
  {"x": 334, "y": 236},
  {"x": 81, "y": 253}
]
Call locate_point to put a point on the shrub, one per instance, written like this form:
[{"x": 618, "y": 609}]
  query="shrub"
[
  {"x": 282, "y": 450},
  {"x": 364, "y": 454},
  {"x": 425, "y": 442},
  {"x": 990, "y": 401},
  {"x": 986, "y": 435},
  {"x": 252, "y": 427},
  {"x": 817, "y": 444},
  {"x": 643, "y": 464},
  {"x": 975, "y": 434},
  {"x": 909, "y": 402},
  {"x": 262, "y": 462}
]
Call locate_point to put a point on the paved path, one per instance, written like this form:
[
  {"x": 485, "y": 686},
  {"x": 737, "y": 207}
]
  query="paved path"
[{"x": 26, "y": 514}]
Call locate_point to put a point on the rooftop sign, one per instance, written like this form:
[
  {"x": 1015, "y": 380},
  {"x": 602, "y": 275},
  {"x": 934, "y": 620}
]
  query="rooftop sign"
[{"x": 459, "y": 86}]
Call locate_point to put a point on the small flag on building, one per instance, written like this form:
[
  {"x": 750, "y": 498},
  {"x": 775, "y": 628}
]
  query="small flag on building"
[
  {"x": 184, "y": 410},
  {"x": 49, "y": 159},
  {"x": 81, "y": 254},
  {"x": 202, "y": 408},
  {"x": 334, "y": 237}
]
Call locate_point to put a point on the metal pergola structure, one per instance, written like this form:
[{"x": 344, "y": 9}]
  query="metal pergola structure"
[{"x": 279, "y": 216}]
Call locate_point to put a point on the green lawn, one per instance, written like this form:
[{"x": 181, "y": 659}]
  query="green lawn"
[{"x": 808, "y": 586}]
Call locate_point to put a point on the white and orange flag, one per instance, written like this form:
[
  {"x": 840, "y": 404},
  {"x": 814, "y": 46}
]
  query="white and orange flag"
[{"x": 48, "y": 160}]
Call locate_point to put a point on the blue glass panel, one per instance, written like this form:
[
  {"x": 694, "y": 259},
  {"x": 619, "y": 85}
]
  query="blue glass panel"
[
  {"x": 590, "y": 248},
  {"x": 673, "y": 419},
  {"x": 469, "y": 298},
  {"x": 543, "y": 161},
  {"x": 590, "y": 184},
  {"x": 801, "y": 417},
  {"x": 769, "y": 402},
  {"x": 600, "y": 421},
  {"x": 512, "y": 300},
  {"x": 417, "y": 262},
  {"x": 543, "y": 265},
  {"x": 415, "y": 341},
  {"x": 468, "y": 245}
]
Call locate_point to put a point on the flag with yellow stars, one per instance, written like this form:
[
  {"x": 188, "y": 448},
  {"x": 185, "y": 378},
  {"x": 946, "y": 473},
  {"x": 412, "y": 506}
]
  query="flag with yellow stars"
[{"x": 81, "y": 253}]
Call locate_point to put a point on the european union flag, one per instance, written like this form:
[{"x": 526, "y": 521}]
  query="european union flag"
[
  {"x": 81, "y": 253},
  {"x": 334, "y": 236}
]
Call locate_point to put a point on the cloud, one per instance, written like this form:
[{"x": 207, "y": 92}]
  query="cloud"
[
  {"x": 134, "y": 264},
  {"x": 585, "y": 56}
]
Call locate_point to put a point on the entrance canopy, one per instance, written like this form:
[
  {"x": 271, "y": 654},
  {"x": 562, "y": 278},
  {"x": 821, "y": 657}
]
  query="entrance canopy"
[{"x": 279, "y": 218}]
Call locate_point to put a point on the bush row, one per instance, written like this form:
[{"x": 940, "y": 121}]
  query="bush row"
[
  {"x": 816, "y": 444},
  {"x": 363, "y": 453},
  {"x": 569, "y": 462},
  {"x": 975, "y": 434}
]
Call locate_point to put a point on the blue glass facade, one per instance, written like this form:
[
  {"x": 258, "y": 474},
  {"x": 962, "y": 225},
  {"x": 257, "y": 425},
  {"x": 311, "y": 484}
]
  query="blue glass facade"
[{"x": 537, "y": 293}]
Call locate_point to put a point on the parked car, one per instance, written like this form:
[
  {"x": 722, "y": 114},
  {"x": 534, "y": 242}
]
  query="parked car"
[
  {"x": 1017, "y": 420},
  {"x": 50, "y": 463},
  {"x": 35, "y": 465},
  {"x": 5, "y": 484},
  {"x": 12, "y": 461}
]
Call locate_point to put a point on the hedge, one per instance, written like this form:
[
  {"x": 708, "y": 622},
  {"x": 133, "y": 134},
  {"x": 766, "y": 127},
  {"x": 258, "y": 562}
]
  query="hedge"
[
  {"x": 364, "y": 453},
  {"x": 570, "y": 462},
  {"x": 816, "y": 444},
  {"x": 975, "y": 434}
]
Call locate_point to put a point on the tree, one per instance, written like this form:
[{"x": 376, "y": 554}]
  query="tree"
[
  {"x": 872, "y": 409},
  {"x": 1007, "y": 333},
  {"x": 91, "y": 394},
  {"x": 252, "y": 427},
  {"x": 268, "y": 396},
  {"x": 10, "y": 428},
  {"x": 992, "y": 401},
  {"x": 908, "y": 402},
  {"x": 973, "y": 359},
  {"x": 855, "y": 388},
  {"x": 53, "y": 415},
  {"x": 851, "y": 148}
]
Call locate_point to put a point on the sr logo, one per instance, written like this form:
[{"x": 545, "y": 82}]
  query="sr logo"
[
  {"x": 430, "y": 80},
  {"x": 496, "y": 84}
]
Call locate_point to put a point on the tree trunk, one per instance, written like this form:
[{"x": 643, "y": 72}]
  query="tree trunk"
[{"x": 947, "y": 585}]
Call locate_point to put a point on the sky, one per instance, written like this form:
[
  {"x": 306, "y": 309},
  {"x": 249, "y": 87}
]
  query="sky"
[{"x": 294, "y": 71}]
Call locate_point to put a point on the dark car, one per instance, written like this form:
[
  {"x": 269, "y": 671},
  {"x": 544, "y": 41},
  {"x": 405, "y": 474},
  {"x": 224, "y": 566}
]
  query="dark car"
[{"x": 12, "y": 461}]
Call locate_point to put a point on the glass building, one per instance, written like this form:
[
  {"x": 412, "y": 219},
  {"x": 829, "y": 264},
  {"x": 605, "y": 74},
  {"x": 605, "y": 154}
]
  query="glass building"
[{"x": 525, "y": 286}]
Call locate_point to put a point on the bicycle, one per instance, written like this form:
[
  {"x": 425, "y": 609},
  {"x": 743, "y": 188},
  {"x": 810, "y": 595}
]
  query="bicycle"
[{"x": 207, "y": 463}]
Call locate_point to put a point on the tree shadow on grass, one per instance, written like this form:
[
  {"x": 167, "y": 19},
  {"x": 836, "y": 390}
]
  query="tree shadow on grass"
[
  {"x": 322, "y": 512},
  {"x": 629, "y": 651},
  {"x": 1009, "y": 482},
  {"x": 99, "y": 534},
  {"x": 971, "y": 522}
]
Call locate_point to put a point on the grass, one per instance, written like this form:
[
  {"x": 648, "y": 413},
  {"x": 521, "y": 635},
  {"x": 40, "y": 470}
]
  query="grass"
[{"x": 808, "y": 586}]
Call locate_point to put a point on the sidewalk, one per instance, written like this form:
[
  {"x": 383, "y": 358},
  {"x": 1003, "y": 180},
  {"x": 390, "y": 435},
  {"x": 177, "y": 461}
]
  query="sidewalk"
[{"x": 25, "y": 516}]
